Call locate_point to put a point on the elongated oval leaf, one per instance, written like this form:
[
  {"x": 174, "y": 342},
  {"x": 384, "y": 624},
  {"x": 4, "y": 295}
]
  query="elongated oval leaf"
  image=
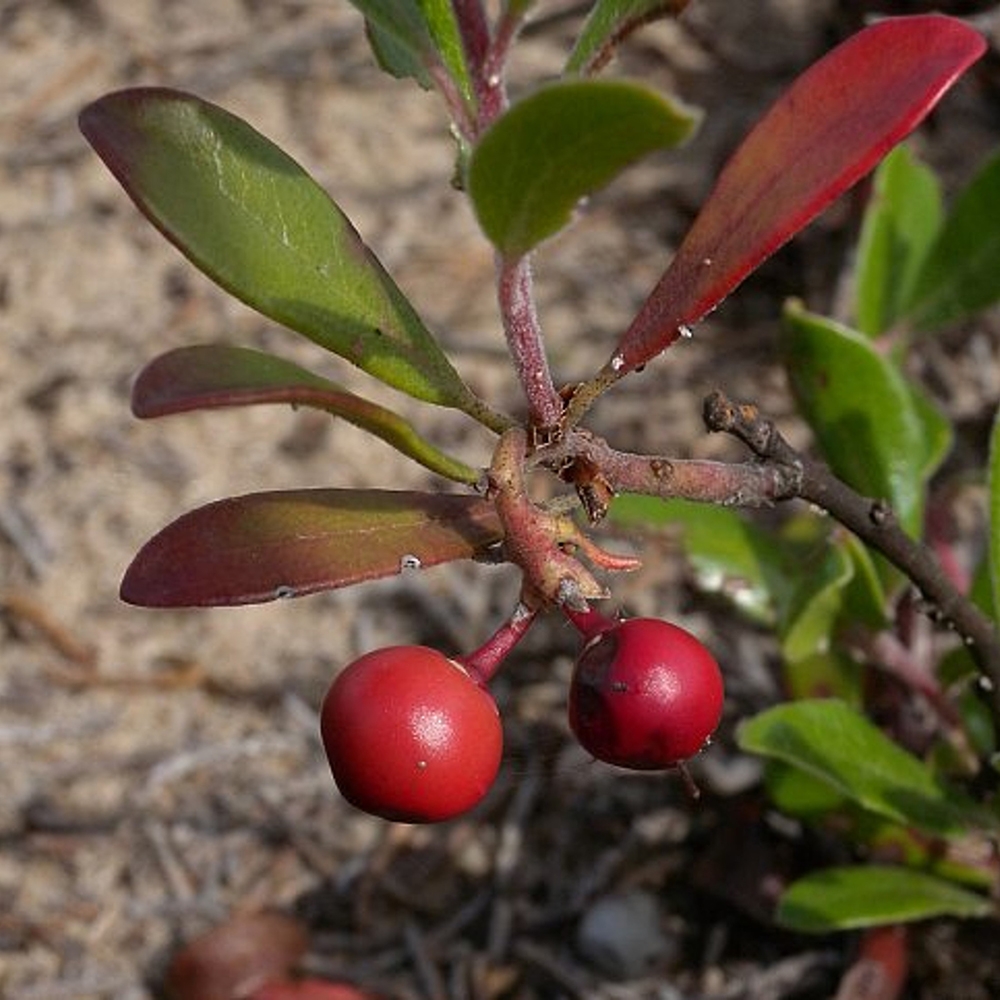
[
  {"x": 854, "y": 896},
  {"x": 255, "y": 222},
  {"x": 901, "y": 222},
  {"x": 608, "y": 22},
  {"x": 863, "y": 414},
  {"x": 960, "y": 276},
  {"x": 558, "y": 145},
  {"x": 825, "y": 132},
  {"x": 206, "y": 376},
  {"x": 263, "y": 546},
  {"x": 835, "y": 744}
]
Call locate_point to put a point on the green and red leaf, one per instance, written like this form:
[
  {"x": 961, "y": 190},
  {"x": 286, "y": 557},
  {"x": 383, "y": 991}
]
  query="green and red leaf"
[
  {"x": 264, "y": 546},
  {"x": 832, "y": 126},
  {"x": 256, "y": 223},
  {"x": 208, "y": 376}
]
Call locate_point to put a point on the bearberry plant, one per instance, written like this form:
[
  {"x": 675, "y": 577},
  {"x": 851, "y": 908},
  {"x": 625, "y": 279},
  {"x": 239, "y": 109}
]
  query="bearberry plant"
[{"x": 412, "y": 733}]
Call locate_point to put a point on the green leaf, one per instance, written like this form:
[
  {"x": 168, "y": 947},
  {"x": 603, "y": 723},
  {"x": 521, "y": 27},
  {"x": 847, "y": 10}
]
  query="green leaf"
[
  {"x": 865, "y": 600},
  {"x": 800, "y": 794},
  {"x": 728, "y": 554},
  {"x": 397, "y": 56},
  {"x": 560, "y": 144},
  {"x": 824, "y": 133},
  {"x": 207, "y": 376},
  {"x": 807, "y": 621},
  {"x": 829, "y": 674},
  {"x": 967, "y": 859},
  {"x": 608, "y": 22},
  {"x": 993, "y": 553},
  {"x": 936, "y": 431},
  {"x": 834, "y": 743},
  {"x": 960, "y": 276},
  {"x": 254, "y": 221},
  {"x": 901, "y": 221},
  {"x": 840, "y": 899},
  {"x": 861, "y": 410},
  {"x": 264, "y": 546},
  {"x": 407, "y": 37}
]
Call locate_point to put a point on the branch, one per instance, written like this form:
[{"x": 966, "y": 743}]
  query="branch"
[
  {"x": 582, "y": 456},
  {"x": 874, "y": 522}
]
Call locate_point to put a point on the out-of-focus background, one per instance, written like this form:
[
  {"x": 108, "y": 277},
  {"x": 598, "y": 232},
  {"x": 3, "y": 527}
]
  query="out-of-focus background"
[{"x": 160, "y": 771}]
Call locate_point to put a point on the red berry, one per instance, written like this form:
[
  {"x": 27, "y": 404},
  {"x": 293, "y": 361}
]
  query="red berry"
[
  {"x": 645, "y": 695},
  {"x": 410, "y": 736}
]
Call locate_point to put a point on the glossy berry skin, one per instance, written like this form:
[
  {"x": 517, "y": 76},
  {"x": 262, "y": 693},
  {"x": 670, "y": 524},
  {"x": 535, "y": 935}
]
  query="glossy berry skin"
[
  {"x": 410, "y": 736},
  {"x": 645, "y": 695}
]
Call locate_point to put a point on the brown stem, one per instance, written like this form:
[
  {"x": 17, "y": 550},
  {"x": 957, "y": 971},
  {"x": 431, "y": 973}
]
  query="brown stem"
[{"x": 874, "y": 522}]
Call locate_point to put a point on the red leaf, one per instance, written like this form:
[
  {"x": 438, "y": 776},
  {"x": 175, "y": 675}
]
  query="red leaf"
[
  {"x": 831, "y": 127},
  {"x": 262, "y": 546}
]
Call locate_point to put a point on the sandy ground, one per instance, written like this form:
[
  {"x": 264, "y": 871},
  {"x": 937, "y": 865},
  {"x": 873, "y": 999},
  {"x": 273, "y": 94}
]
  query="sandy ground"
[{"x": 161, "y": 770}]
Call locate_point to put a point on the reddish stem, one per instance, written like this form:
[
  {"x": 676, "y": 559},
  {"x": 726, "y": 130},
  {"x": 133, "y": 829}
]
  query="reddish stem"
[
  {"x": 590, "y": 623},
  {"x": 493, "y": 93},
  {"x": 747, "y": 484},
  {"x": 483, "y": 663},
  {"x": 515, "y": 293},
  {"x": 889, "y": 652},
  {"x": 475, "y": 32},
  {"x": 457, "y": 106}
]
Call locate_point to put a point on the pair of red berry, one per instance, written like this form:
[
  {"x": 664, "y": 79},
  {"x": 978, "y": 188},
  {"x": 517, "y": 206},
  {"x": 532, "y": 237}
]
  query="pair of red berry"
[{"x": 411, "y": 736}]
